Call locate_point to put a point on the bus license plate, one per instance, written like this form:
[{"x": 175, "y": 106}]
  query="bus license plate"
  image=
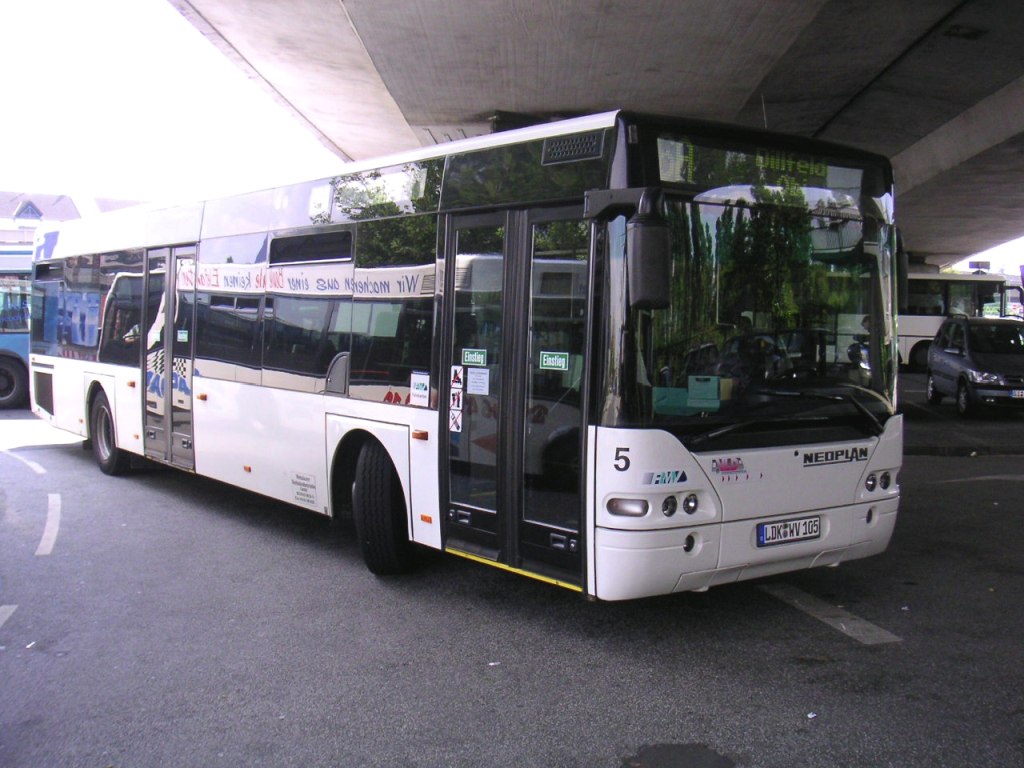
[{"x": 786, "y": 531}]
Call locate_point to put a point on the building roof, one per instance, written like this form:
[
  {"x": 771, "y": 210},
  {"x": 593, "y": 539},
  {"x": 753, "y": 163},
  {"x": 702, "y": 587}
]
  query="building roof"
[{"x": 21, "y": 212}]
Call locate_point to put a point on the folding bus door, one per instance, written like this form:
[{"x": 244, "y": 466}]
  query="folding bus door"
[
  {"x": 169, "y": 321},
  {"x": 514, "y": 396}
]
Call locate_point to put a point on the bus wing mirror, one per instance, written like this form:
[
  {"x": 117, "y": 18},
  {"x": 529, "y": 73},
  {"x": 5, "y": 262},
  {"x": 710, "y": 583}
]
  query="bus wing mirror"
[{"x": 648, "y": 255}]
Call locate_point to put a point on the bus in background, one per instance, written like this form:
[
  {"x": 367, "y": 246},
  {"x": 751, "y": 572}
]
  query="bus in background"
[
  {"x": 932, "y": 297},
  {"x": 611, "y": 353},
  {"x": 15, "y": 282}
]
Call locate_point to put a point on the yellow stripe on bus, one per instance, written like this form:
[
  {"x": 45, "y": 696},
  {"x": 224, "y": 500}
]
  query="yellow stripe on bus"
[{"x": 510, "y": 569}]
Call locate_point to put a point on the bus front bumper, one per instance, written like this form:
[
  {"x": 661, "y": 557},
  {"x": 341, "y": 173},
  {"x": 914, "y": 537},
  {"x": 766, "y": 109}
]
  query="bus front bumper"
[{"x": 633, "y": 564}]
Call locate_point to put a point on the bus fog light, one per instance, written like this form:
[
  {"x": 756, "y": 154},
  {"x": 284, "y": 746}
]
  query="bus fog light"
[
  {"x": 690, "y": 504},
  {"x": 628, "y": 507},
  {"x": 690, "y": 543},
  {"x": 885, "y": 481},
  {"x": 669, "y": 506},
  {"x": 872, "y": 482}
]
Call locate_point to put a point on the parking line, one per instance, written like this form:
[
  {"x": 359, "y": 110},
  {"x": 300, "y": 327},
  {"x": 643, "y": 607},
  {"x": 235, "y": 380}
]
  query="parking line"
[
  {"x": 853, "y": 626},
  {"x": 1000, "y": 478},
  {"x": 52, "y": 525},
  {"x": 5, "y": 613},
  {"x": 27, "y": 462}
]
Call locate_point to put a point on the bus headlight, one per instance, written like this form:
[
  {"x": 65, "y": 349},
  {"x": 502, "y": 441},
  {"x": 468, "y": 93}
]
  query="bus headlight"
[
  {"x": 628, "y": 507},
  {"x": 690, "y": 504},
  {"x": 669, "y": 506},
  {"x": 872, "y": 482}
]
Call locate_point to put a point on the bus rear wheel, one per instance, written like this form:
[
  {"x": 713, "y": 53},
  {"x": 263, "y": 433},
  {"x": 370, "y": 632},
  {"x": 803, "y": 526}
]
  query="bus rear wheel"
[
  {"x": 919, "y": 356},
  {"x": 378, "y": 510},
  {"x": 111, "y": 459},
  {"x": 13, "y": 383}
]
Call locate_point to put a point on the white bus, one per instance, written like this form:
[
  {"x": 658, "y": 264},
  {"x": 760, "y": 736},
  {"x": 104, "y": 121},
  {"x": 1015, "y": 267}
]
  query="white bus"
[
  {"x": 614, "y": 353},
  {"x": 932, "y": 297}
]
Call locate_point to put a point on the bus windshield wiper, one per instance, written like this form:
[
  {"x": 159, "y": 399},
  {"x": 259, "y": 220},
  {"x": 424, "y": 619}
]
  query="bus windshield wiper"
[
  {"x": 739, "y": 425},
  {"x": 836, "y": 397}
]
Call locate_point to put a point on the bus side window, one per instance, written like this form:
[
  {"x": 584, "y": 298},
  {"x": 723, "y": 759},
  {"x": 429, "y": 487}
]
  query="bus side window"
[
  {"x": 120, "y": 337},
  {"x": 392, "y": 324},
  {"x": 295, "y": 335},
  {"x": 227, "y": 329}
]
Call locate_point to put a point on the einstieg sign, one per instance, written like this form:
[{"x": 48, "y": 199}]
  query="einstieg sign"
[
  {"x": 474, "y": 357},
  {"x": 554, "y": 361}
]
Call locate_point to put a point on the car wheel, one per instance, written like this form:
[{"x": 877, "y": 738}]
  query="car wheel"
[
  {"x": 964, "y": 404},
  {"x": 934, "y": 396}
]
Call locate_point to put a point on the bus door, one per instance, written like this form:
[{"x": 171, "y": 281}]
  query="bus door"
[
  {"x": 169, "y": 320},
  {"x": 512, "y": 399}
]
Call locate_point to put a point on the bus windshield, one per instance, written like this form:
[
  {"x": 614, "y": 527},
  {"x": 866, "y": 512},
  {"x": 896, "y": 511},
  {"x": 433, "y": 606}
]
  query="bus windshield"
[{"x": 775, "y": 331}]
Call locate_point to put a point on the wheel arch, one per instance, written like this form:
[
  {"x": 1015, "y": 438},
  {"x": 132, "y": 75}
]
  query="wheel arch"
[
  {"x": 346, "y": 454},
  {"x": 95, "y": 388}
]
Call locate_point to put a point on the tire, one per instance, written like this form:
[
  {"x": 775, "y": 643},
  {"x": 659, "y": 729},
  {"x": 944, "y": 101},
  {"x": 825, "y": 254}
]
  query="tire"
[
  {"x": 13, "y": 383},
  {"x": 919, "y": 356},
  {"x": 378, "y": 510},
  {"x": 934, "y": 396},
  {"x": 964, "y": 404},
  {"x": 111, "y": 459}
]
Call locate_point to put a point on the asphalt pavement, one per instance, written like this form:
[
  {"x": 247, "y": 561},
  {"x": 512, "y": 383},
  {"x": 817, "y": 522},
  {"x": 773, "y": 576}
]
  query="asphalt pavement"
[
  {"x": 163, "y": 619},
  {"x": 937, "y": 430}
]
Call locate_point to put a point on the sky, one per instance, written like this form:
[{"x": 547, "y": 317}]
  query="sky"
[
  {"x": 125, "y": 99},
  {"x": 1007, "y": 258}
]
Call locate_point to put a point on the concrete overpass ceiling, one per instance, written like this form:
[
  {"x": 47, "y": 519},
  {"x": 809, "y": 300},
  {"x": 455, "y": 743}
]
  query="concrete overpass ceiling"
[
  {"x": 307, "y": 55},
  {"x": 938, "y": 86},
  {"x": 449, "y": 62}
]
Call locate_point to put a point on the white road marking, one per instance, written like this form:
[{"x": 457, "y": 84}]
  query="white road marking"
[
  {"x": 52, "y": 525},
  {"x": 5, "y": 613},
  {"x": 28, "y": 463},
  {"x": 853, "y": 626},
  {"x": 1000, "y": 478}
]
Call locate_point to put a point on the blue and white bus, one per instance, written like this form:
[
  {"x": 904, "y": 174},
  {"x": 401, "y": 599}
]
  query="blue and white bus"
[
  {"x": 608, "y": 353},
  {"x": 15, "y": 282}
]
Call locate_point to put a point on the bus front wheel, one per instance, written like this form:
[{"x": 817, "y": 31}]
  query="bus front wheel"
[
  {"x": 378, "y": 510},
  {"x": 111, "y": 459}
]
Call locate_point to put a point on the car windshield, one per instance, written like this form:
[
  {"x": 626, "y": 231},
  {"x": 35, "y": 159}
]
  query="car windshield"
[{"x": 997, "y": 339}]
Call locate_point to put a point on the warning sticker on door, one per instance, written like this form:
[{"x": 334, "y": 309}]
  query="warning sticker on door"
[
  {"x": 458, "y": 376},
  {"x": 479, "y": 382},
  {"x": 454, "y": 421}
]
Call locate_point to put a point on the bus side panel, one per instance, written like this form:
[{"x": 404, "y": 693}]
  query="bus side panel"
[
  {"x": 69, "y": 391},
  {"x": 420, "y": 485},
  {"x": 269, "y": 441},
  {"x": 124, "y": 393}
]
